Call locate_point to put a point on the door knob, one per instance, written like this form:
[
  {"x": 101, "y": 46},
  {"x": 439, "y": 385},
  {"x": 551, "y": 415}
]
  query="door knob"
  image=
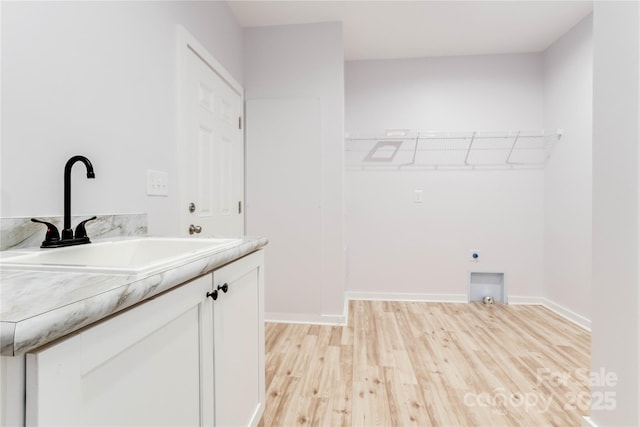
[{"x": 194, "y": 229}]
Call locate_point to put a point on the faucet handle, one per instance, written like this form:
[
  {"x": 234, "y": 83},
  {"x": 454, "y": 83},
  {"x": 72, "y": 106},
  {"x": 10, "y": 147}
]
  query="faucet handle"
[
  {"x": 52, "y": 232},
  {"x": 80, "y": 228}
]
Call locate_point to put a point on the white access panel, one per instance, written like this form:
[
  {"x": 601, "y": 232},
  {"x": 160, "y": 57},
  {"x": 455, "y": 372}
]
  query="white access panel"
[
  {"x": 283, "y": 189},
  {"x": 487, "y": 284}
]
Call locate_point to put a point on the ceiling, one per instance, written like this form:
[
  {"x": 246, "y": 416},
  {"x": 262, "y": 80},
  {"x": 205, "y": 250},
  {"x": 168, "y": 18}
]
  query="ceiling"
[{"x": 413, "y": 29}]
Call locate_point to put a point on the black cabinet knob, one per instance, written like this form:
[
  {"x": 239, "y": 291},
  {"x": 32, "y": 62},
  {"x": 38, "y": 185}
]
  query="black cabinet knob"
[
  {"x": 224, "y": 288},
  {"x": 213, "y": 294}
]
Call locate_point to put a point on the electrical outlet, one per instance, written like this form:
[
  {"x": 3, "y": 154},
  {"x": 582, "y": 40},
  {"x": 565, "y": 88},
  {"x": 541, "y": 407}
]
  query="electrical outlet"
[{"x": 157, "y": 183}]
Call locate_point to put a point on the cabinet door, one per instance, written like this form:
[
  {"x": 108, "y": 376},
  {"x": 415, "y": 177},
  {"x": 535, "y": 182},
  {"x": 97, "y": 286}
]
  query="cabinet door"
[
  {"x": 239, "y": 343},
  {"x": 141, "y": 367}
]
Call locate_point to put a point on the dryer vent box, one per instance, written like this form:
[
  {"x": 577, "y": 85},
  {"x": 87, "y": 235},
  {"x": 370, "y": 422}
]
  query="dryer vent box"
[{"x": 482, "y": 284}]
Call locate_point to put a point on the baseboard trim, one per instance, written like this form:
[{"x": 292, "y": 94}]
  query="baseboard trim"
[
  {"x": 305, "y": 318},
  {"x": 573, "y": 317},
  {"x": 391, "y": 296},
  {"x": 341, "y": 319},
  {"x": 588, "y": 422},
  {"x": 558, "y": 309},
  {"x": 524, "y": 300}
]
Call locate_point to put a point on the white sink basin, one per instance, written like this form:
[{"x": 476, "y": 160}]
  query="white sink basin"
[{"x": 131, "y": 256}]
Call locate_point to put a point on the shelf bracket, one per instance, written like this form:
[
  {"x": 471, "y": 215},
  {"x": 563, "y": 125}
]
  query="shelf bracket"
[
  {"x": 415, "y": 151},
  {"x": 469, "y": 148},
  {"x": 513, "y": 146}
]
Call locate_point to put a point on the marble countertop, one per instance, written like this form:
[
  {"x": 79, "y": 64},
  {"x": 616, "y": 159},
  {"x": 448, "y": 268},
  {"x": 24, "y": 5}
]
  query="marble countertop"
[{"x": 38, "y": 307}]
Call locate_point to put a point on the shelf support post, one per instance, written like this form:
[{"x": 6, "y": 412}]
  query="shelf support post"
[
  {"x": 469, "y": 148},
  {"x": 513, "y": 146}
]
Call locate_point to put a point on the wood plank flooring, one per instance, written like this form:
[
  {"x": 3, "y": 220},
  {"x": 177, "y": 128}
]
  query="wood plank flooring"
[{"x": 429, "y": 364}]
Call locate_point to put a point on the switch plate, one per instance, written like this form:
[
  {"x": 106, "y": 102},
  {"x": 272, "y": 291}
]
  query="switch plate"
[
  {"x": 157, "y": 183},
  {"x": 417, "y": 196}
]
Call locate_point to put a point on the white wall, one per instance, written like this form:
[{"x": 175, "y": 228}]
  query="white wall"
[
  {"x": 492, "y": 92},
  {"x": 396, "y": 246},
  {"x": 305, "y": 61},
  {"x": 615, "y": 328},
  {"x": 568, "y": 82},
  {"x": 99, "y": 79}
]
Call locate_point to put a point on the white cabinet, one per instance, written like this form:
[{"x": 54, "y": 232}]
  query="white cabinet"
[
  {"x": 239, "y": 343},
  {"x": 180, "y": 359},
  {"x": 141, "y": 367}
]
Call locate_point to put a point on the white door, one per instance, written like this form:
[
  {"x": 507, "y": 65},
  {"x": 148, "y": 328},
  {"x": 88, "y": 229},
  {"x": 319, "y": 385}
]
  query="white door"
[{"x": 211, "y": 150}]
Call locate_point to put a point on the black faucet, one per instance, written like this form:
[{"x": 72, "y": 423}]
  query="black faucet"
[{"x": 53, "y": 238}]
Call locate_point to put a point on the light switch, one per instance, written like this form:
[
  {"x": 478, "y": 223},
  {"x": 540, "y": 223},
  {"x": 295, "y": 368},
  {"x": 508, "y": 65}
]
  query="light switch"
[
  {"x": 157, "y": 183},
  {"x": 417, "y": 196}
]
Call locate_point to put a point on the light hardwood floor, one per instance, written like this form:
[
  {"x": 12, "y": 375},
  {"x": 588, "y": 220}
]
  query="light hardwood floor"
[{"x": 429, "y": 364}]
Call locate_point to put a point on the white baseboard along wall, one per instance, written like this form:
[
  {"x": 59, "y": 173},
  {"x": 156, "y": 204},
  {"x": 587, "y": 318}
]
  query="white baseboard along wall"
[{"x": 321, "y": 319}]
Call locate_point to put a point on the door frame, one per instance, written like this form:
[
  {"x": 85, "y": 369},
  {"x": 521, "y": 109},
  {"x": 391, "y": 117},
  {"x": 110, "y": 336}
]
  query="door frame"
[{"x": 186, "y": 43}]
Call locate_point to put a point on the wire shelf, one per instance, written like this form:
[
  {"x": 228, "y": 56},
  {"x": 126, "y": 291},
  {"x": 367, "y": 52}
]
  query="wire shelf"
[{"x": 435, "y": 150}]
